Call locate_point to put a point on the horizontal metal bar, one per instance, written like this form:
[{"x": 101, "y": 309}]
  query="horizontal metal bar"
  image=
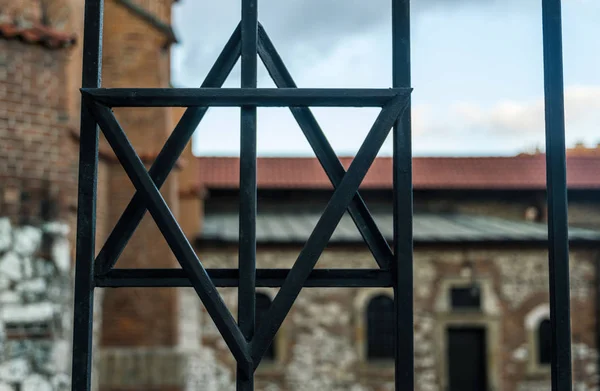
[
  {"x": 318, "y": 278},
  {"x": 234, "y": 97}
]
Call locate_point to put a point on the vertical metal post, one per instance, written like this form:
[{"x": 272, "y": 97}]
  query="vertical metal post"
[
  {"x": 402, "y": 267},
  {"x": 86, "y": 207},
  {"x": 558, "y": 239},
  {"x": 247, "y": 241},
  {"x": 597, "y": 284}
]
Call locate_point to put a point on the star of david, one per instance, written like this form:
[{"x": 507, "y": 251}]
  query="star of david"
[{"x": 247, "y": 351}]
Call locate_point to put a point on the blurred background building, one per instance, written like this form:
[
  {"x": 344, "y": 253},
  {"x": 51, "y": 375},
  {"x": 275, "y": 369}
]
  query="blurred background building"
[
  {"x": 40, "y": 73},
  {"x": 481, "y": 280},
  {"x": 480, "y": 272}
]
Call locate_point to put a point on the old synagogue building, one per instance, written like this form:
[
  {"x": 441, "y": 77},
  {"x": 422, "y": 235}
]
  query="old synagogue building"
[
  {"x": 480, "y": 272},
  {"x": 480, "y": 237}
]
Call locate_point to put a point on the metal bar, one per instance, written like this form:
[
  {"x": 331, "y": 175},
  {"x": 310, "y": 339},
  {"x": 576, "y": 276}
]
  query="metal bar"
[
  {"x": 324, "y": 152},
  {"x": 248, "y": 189},
  {"x": 166, "y": 159},
  {"x": 325, "y": 227},
  {"x": 83, "y": 307},
  {"x": 318, "y": 278},
  {"x": 233, "y": 97},
  {"x": 403, "y": 204},
  {"x": 556, "y": 178},
  {"x": 597, "y": 291},
  {"x": 175, "y": 238}
]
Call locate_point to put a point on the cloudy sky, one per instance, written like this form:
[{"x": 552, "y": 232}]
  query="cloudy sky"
[{"x": 476, "y": 68}]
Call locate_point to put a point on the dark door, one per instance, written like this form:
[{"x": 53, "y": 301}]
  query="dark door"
[{"x": 467, "y": 359}]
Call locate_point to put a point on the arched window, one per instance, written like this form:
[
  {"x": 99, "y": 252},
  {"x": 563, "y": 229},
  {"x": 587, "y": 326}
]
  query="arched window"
[
  {"x": 544, "y": 342},
  {"x": 380, "y": 328},
  {"x": 537, "y": 324},
  {"x": 263, "y": 302}
]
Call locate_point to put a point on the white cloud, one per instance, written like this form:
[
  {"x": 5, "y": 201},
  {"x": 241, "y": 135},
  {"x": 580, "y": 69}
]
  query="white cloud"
[
  {"x": 505, "y": 127},
  {"x": 512, "y": 118},
  {"x": 455, "y": 51},
  {"x": 507, "y": 117}
]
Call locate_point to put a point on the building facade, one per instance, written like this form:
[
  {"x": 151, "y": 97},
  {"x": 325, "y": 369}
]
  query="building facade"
[
  {"x": 37, "y": 195},
  {"x": 480, "y": 274},
  {"x": 40, "y": 74}
]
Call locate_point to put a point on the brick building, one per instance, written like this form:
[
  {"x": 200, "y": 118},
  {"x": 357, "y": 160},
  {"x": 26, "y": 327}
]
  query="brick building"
[
  {"x": 37, "y": 194},
  {"x": 40, "y": 73},
  {"x": 478, "y": 225},
  {"x": 480, "y": 273}
]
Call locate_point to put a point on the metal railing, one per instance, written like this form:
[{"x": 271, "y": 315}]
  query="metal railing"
[{"x": 248, "y": 344}]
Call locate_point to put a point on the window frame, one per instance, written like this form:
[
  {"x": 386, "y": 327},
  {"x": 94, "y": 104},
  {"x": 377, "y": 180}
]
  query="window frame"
[
  {"x": 539, "y": 341},
  {"x": 383, "y": 368},
  {"x": 366, "y": 315},
  {"x": 533, "y": 320},
  {"x": 43, "y": 331},
  {"x": 454, "y": 308}
]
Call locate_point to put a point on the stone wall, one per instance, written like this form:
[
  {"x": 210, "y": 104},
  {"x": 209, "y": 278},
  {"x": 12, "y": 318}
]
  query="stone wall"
[
  {"x": 321, "y": 344},
  {"x": 35, "y": 307}
]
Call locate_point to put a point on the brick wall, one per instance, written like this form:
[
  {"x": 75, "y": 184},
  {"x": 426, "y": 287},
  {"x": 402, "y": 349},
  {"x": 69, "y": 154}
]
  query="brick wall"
[
  {"x": 190, "y": 197},
  {"x": 38, "y": 181},
  {"x": 36, "y": 152},
  {"x": 143, "y": 329},
  {"x": 39, "y": 115},
  {"x": 74, "y": 68},
  {"x": 161, "y": 9}
]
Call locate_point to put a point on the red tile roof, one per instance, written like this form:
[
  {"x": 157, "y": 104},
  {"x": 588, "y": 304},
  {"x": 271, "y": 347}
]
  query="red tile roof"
[
  {"x": 496, "y": 173},
  {"x": 37, "y": 34}
]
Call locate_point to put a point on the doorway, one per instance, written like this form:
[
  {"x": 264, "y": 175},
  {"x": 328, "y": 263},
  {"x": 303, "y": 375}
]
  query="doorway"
[{"x": 467, "y": 359}]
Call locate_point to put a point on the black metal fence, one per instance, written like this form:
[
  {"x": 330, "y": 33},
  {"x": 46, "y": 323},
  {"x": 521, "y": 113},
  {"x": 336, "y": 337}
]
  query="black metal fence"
[{"x": 247, "y": 343}]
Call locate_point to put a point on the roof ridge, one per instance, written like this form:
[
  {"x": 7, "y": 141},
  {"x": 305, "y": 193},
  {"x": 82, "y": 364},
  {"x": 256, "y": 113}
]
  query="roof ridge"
[{"x": 429, "y": 173}]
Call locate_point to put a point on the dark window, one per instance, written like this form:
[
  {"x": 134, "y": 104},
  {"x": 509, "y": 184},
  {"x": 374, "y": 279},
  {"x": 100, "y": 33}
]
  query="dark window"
[
  {"x": 466, "y": 298},
  {"x": 263, "y": 302},
  {"x": 380, "y": 328},
  {"x": 34, "y": 330},
  {"x": 544, "y": 343}
]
